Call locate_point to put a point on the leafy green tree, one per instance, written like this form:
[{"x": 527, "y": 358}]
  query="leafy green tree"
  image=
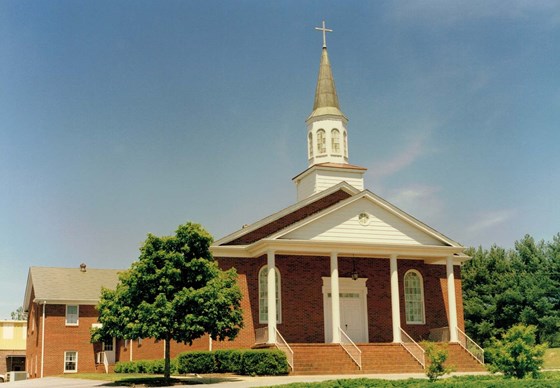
[
  {"x": 18, "y": 314},
  {"x": 174, "y": 291},
  {"x": 517, "y": 353}
]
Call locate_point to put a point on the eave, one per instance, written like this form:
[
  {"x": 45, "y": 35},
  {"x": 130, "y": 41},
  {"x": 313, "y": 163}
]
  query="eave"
[{"x": 432, "y": 254}]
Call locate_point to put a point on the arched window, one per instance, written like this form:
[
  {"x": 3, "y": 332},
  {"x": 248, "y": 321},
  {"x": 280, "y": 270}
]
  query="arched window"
[
  {"x": 263, "y": 296},
  {"x": 335, "y": 141},
  {"x": 345, "y": 144},
  {"x": 321, "y": 142},
  {"x": 310, "y": 144},
  {"x": 414, "y": 297}
]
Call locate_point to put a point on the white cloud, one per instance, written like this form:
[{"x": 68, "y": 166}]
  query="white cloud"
[
  {"x": 408, "y": 154},
  {"x": 489, "y": 220}
]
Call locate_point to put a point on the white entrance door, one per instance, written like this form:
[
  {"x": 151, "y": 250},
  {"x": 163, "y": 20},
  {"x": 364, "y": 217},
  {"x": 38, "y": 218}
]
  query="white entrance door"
[
  {"x": 353, "y": 309},
  {"x": 109, "y": 349},
  {"x": 352, "y": 316}
]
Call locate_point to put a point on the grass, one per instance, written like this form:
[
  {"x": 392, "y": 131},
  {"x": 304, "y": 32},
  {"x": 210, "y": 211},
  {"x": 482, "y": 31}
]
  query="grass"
[
  {"x": 549, "y": 379},
  {"x": 552, "y": 358},
  {"x": 146, "y": 380}
]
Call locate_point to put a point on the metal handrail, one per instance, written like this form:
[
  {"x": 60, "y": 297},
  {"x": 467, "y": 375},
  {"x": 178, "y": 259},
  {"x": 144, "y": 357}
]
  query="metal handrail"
[
  {"x": 284, "y": 347},
  {"x": 413, "y": 348},
  {"x": 350, "y": 347},
  {"x": 470, "y": 346}
]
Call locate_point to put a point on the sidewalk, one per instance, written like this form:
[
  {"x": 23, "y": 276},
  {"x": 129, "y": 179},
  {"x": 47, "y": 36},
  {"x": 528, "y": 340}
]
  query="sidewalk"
[{"x": 226, "y": 382}]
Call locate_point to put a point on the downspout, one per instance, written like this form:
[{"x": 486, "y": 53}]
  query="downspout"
[{"x": 43, "y": 340}]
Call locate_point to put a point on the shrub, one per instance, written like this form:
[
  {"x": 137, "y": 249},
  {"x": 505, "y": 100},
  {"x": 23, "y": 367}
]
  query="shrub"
[
  {"x": 436, "y": 358},
  {"x": 196, "y": 362},
  {"x": 517, "y": 354},
  {"x": 228, "y": 361},
  {"x": 144, "y": 366},
  {"x": 264, "y": 362}
]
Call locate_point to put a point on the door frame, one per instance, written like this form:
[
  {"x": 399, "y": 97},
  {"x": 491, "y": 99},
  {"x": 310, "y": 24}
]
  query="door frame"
[{"x": 345, "y": 285}]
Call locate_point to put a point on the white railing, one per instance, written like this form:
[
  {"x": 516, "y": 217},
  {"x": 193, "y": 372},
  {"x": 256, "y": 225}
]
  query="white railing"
[
  {"x": 284, "y": 347},
  {"x": 470, "y": 346},
  {"x": 261, "y": 335},
  {"x": 413, "y": 348},
  {"x": 350, "y": 347},
  {"x": 102, "y": 359}
]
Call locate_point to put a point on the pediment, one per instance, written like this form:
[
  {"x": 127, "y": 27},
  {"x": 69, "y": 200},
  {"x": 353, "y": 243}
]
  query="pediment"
[{"x": 366, "y": 219}]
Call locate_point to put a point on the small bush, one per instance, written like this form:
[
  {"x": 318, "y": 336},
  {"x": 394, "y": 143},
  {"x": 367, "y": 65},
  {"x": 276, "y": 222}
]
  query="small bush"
[
  {"x": 517, "y": 354},
  {"x": 264, "y": 363},
  {"x": 436, "y": 359},
  {"x": 196, "y": 362}
]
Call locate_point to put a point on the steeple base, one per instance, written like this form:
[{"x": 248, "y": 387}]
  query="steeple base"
[{"x": 322, "y": 176}]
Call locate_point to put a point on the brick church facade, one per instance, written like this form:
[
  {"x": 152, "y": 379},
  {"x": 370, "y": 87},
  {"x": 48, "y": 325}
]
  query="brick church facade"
[{"x": 342, "y": 275}]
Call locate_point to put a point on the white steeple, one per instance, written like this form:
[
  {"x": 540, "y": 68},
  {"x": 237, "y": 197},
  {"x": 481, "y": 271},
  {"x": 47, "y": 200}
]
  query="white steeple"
[{"x": 327, "y": 138}]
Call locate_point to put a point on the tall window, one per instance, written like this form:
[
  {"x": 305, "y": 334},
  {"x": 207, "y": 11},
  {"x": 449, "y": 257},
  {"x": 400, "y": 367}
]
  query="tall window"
[
  {"x": 263, "y": 295},
  {"x": 70, "y": 362},
  {"x": 335, "y": 141},
  {"x": 321, "y": 142},
  {"x": 414, "y": 297},
  {"x": 345, "y": 144},
  {"x": 71, "y": 315},
  {"x": 310, "y": 144}
]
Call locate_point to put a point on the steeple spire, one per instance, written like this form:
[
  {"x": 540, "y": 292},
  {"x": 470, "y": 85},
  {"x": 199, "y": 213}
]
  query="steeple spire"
[
  {"x": 326, "y": 100},
  {"x": 327, "y": 138}
]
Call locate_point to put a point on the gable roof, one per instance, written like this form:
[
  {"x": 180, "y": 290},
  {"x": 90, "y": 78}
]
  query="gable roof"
[
  {"x": 288, "y": 216},
  {"x": 68, "y": 285},
  {"x": 328, "y": 221}
]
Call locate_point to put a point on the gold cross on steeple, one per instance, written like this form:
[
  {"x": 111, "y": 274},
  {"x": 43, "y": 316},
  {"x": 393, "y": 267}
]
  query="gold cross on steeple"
[{"x": 325, "y": 30}]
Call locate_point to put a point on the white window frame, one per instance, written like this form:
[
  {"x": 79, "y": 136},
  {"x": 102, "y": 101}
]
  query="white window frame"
[
  {"x": 66, "y": 353},
  {"x": 408, "y": 301},
  {"x": 263, "y": 295},
  {"x": 321, "y": 142},
  {"x": 335, "y": 141},
  {"x": 67, "y": 315}
]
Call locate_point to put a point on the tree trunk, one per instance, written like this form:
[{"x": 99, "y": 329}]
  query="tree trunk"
[{"x": 167, "y": 367}]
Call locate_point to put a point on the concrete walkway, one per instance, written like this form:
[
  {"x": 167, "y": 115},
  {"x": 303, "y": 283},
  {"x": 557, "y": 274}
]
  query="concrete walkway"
[{"x": 225, "y": 382}]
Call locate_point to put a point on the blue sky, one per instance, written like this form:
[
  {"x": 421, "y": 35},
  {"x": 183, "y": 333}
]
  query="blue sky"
[{"x": 120, "y": 118}]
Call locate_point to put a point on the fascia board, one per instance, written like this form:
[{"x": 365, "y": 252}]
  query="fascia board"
[
  {"x": 91, "y": 302},
  {"x": 311, "y": 247},
  {"x": 28, "y": 290},
  {"x": 233, "y": 251},
  {"x": 411, "y": 220},
  {"x": 273, "y": 217}
]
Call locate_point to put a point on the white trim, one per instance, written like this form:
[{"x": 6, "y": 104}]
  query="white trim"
[
  {"x": 422, "y": 298},
  {"x": 279, "y": 305},
  {"x": 70, "y": 371}
]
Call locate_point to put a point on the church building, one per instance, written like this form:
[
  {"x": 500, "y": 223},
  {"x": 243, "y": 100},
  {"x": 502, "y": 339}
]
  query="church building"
[{"x": 342, "y": 271}]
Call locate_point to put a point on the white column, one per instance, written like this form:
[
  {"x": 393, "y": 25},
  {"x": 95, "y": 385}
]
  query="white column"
[
  {"x": 395, "y": 300},
  {"x": 451, "y": 298},
  {"x": 271, "y": 265},
  {"x": 335, "y": 299}
]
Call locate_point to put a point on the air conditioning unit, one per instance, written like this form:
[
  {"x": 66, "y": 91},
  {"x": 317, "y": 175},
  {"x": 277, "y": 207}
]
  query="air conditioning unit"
[{"x": 16, "y": 376}]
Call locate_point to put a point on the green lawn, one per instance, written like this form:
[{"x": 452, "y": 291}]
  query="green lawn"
[
  {"x": 549, "y": 379},
  {"x": 552, "y": 358}
]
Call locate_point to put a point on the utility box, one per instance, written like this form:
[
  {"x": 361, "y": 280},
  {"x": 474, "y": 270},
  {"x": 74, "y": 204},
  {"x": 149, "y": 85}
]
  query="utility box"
[{"x": 16, "y": 376}]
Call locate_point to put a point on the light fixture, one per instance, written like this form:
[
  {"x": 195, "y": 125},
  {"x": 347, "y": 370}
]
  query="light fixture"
[{"x": 355, "y": 275}]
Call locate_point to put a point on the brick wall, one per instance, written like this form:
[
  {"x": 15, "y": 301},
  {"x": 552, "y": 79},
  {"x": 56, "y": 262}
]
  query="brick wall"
[{"x": 302, "y": 298}]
